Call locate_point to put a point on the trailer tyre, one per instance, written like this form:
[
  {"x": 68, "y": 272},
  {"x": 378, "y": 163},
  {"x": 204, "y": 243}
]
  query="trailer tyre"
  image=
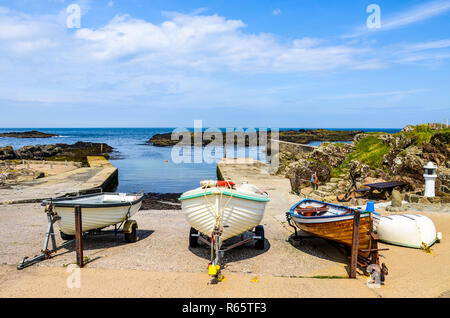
[
  {"x": 66, "y": 237},
  {"x": 193, "y": 240},
  {"x": 259, "y": 231},
  {"x": 132, "y": 236}
]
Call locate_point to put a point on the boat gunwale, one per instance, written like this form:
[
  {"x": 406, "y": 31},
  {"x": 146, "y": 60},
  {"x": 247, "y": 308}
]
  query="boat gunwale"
[
  {"x": 56, "y": 202},
  {"x": 234, "y": 195},
  {"x": 294, "y": 214}
]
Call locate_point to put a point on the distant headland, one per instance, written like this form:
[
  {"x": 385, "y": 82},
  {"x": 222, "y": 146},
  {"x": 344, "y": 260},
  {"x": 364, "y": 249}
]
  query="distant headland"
[
  {"x": 27, "y": 134},
  {"x": 301, "y": 136}
]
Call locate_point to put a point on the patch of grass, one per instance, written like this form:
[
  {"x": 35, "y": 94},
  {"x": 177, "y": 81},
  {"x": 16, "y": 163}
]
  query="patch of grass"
[
  {"x": 370, "y": 151},
  {"x": 422, "y": 134},
  {"x": 329, "y": 277},
  {"x": 338, "y": 171}
]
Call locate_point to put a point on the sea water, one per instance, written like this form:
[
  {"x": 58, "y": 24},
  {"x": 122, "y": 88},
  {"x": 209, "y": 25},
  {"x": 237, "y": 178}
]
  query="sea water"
[{"x": 141, "y": 165}]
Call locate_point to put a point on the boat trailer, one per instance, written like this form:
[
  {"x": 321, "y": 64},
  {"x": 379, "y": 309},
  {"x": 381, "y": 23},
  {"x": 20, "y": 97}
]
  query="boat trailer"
[
  {"x": 217, "y": 252},
  {"x": 127, "y": 226},
  {"x": 370, "y": 264},
  {"x": 49, "y": 235}
]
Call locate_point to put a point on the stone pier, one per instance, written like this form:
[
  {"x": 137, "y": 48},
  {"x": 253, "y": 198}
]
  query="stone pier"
[{"x": 99, "y": 174}]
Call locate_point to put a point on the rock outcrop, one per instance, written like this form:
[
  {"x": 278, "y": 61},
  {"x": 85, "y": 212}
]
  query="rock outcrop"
[
  {"x": 373, "y": 157},
  {"x": 27, "y": 134},
  {"x": 76, "y": 152},
  {"x": 322, "y": 161},
  {"x": 300, "y": 136}
]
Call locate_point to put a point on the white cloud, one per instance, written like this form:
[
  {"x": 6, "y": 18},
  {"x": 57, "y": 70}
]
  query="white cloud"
[
  {"x": 424, "y": 53},
  {"x": 432, "y": 45},
  {"x": 276, "y": 12},
  {"x": 131, "y": 61},
  {"x": 211, "y": 43},
  {"x": 374, "y": 94},
  {"x": 413, "y": 15}
]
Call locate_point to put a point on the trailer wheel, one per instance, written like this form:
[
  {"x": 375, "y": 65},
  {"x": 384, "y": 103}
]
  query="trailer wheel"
[
  {"x": 193, "y": 240},
  {"x": 66, "y": 237},
  {"x": 132, "y": 236},
  {"x": 259, "y": 231}
]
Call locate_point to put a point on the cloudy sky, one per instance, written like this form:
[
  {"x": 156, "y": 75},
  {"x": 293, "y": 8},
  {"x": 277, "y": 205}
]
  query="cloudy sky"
[{"x": 232, "y": 63}]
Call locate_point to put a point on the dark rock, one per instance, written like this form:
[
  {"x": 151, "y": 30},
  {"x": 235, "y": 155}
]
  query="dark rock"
[
  {"x": 300, "y": 136},
  {"x": 359, "y": 170},
  {"x": 306, "y": 136},
  {"x": 27, "y": 134},
  {"x": 331, "y": 154},
  {"x": 7, "y": 153},
  {"x": 296, "y": 183},
  {"x": 303, "y": 170},
  {"x": 77, "y": 151}
]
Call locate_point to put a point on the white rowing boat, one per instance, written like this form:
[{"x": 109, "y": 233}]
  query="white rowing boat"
[
  {"x": 409, "y": 230},
  {"x": 218, "y": 210},
  {"x": 235, "y": 210},
  {"x": 98, "y": 210}
]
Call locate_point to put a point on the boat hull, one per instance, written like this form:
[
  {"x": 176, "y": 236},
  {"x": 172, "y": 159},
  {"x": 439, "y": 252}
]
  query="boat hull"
[
  {"x": 93, "y": 218},
  {"x": 340, "y": 231},
  {"x": 98, "y": 211},
  {"x": 238, "y": 214},
  {"x": 337, "y": 228},
  {"x": 408, "y": 230}
]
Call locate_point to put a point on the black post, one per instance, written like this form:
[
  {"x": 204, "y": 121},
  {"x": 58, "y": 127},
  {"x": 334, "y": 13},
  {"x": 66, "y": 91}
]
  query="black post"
[
  {"x": 355, "y": 243},
  {"x": 79, "y": 236}
]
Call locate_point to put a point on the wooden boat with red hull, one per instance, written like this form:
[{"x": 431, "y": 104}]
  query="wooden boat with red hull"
[{"x": 333, "y": 222}]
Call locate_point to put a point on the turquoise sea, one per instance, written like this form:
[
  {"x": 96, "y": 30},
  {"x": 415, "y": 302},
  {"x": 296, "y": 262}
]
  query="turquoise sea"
[{"x": 141, "y": 166}]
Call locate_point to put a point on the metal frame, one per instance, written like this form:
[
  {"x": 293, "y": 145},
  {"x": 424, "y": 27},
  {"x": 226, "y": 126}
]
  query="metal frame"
[
  {"x": 49, "y": 235},
  {"x": 356, "y": 260},
  {"x": 216, "y": 252}
]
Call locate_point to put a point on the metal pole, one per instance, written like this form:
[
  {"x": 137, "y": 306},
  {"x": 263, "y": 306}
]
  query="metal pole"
[
  {"x": 78, "y": 236},
  {"x": 355, "y": 241}
]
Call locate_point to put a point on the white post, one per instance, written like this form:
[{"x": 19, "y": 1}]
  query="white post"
[{"x": 430, "y": 179}]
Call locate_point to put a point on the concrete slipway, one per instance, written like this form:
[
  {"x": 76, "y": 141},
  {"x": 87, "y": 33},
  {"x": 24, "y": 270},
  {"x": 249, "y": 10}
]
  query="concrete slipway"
[{"x": 99, "y": 174}]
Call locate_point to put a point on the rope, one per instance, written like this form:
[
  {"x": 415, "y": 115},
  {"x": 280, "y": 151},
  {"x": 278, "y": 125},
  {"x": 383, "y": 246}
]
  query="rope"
[{"x": 218, "y": 214}]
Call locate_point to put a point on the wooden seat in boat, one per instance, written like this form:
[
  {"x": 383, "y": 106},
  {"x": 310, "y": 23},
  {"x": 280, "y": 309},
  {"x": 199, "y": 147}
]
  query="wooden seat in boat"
[{"x": 311, "y": 211}]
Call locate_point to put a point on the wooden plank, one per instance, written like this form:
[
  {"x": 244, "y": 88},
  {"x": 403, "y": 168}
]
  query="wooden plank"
[
  {"x": 79, "y": 236},
  {"x": 341, "y": 231},
  {"x": 355, "y": 241}
]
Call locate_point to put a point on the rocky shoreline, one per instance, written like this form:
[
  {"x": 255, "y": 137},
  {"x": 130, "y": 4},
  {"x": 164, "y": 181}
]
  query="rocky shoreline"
[
  {"x": 27, "y": 134},
  {"x": 301, "y": 136},
  {"x": 371, "y": 158},
  {"x": 57, "y": 152}
]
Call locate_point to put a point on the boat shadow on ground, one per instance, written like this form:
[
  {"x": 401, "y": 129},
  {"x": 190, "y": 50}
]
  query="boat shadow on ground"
[
  {"x": 104, "y": 240},
  {"x": 236, "y": 254},
  {"x": 319, "y": 247}
]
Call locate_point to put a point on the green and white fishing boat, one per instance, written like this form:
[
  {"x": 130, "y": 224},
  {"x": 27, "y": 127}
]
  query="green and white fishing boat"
[{"x": 219, "y": 210}]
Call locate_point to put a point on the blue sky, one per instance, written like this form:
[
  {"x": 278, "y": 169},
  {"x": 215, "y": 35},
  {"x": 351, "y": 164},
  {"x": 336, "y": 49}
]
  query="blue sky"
[{"x": 230, "y": 63}]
